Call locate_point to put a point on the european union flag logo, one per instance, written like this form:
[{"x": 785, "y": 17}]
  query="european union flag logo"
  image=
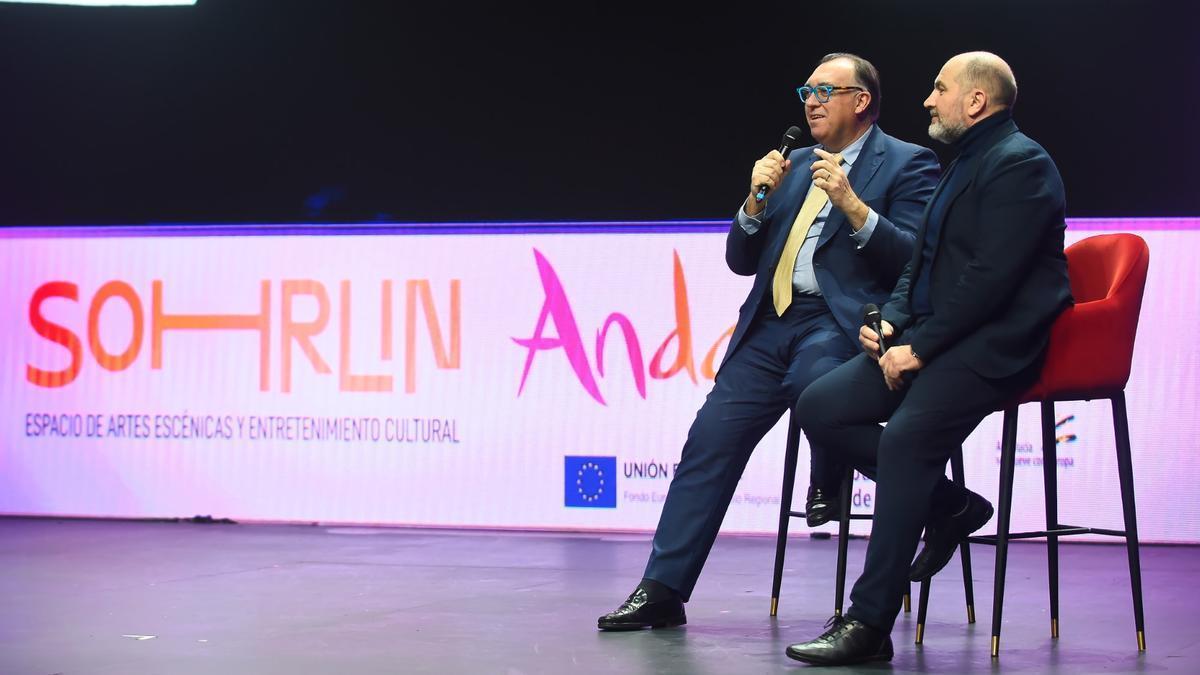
[{"x": 590, "y": 482}]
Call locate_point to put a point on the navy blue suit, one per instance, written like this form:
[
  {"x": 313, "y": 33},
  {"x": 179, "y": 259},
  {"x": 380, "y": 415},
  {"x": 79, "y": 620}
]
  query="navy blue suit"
[
  {"x": 894, "y": 178},
  {"x": 771, "y": 359}
]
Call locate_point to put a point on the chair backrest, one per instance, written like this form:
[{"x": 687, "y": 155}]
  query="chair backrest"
[
  {"x": 1107, "y": 266},
  {"x": 1091, "y": 343}
]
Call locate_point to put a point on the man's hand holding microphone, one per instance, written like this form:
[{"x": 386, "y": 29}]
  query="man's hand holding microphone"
[
  {"x": 895, "y": 361},
  {"x": 828, "y": 174}
]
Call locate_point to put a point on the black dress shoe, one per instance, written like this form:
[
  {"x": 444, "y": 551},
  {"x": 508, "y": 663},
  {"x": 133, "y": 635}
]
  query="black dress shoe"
[
  {"x": 820, "y": 507},
  {"x": 844, "y": 643},
  {"x": 638, "y": 612},
  {"x": 943, "y": 534}
]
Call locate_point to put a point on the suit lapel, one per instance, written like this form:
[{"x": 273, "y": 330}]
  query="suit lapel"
[
  {"x": 971, "y": 167},
  {"x": 870, "y": 158},
  {"x": 918, "y": 257}
]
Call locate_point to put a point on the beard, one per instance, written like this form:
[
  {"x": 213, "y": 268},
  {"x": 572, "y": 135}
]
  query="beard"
[{"x": 946, "y": 133}]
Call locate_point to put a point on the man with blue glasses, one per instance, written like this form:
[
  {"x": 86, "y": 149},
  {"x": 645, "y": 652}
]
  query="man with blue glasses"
[{"x": 833, "y": 234}]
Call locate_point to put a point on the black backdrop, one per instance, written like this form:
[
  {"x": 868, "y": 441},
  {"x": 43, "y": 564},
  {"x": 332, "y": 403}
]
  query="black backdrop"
[{"x": 336, "y": 111}]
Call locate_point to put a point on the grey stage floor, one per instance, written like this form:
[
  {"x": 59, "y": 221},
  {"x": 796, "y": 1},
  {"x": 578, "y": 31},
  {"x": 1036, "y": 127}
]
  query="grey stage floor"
[{"x": 123, "y": 597}]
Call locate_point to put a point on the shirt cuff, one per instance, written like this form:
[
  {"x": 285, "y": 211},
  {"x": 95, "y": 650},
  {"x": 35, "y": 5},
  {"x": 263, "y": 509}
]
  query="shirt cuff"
[
  {"x": 863, "y": 235},
  {"x": 750, "y": 224}
]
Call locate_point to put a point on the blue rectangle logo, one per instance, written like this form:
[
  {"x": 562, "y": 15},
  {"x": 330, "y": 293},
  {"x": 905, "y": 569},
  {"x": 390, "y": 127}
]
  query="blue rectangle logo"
[{"x": 590, "y": 482}]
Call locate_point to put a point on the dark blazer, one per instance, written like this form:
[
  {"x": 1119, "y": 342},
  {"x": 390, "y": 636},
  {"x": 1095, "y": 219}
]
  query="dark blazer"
[
  {"x": 894, "y": 178},
  {"x": 999, "y": 275}
]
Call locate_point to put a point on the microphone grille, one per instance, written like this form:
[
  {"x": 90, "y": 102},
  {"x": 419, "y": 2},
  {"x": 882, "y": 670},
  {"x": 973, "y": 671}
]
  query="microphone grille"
[{"x": 791, "y": 137}]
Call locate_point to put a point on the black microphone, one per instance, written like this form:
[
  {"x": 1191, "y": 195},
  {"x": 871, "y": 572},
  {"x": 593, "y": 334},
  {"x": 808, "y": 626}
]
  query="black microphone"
[
  {"x": 791, "y": 138},
  {"x": 872, "y": 320}
]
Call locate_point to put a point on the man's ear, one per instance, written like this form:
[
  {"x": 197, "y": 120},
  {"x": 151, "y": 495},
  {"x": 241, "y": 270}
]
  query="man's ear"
[
  {"x": 864, "y": 102},
  {"x": 977, "y": 103}
]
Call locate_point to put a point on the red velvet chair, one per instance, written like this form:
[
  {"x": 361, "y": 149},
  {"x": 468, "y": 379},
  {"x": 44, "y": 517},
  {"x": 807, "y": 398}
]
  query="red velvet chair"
[{"x": 1089, "y": 357}]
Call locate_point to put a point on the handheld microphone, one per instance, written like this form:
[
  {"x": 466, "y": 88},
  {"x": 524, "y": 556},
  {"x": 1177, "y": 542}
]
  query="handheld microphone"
[
  {"x": 872, "y": 320},
  {"x": 791, "y": 138}
]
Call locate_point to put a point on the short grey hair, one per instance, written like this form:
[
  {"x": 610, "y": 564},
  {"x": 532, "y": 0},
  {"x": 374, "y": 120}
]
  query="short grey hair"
[{"x": 867, "y": 76}]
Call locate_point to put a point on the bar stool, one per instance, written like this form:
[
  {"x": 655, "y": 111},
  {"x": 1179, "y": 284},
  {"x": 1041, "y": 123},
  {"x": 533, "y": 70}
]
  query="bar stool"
[
  {"x": 1089, "y": 357},
  {"x": 786, "y": 514}
]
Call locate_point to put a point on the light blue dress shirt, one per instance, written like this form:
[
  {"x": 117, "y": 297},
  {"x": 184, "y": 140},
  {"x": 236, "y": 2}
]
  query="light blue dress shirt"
[{"x": 804, "y": 280}]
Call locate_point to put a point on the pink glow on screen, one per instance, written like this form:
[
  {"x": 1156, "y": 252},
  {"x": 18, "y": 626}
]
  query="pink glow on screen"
[{"x": 400, "y": 376}]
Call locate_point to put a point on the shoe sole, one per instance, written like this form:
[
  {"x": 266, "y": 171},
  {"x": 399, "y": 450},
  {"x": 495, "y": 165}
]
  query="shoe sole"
[
  {"x": 623, "y": 627},
  {"x": 817, "y": 522},
  {"x": 820, "y": 519},
  {"x": 941, "y": 564},
  {"x": 852, "y": 662}
]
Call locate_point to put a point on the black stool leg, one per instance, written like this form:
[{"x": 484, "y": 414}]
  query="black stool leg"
[
  {"x": 785, "y": 506},
  {"x": 1125, "y": 470},
  {"x": 922, "y": 608},
  {"x": 964, "y": 551},
  {"x": 1008, "y": 460},
  {"x": 843, "y": 541},
  {"x": 1050, "y": 478}
]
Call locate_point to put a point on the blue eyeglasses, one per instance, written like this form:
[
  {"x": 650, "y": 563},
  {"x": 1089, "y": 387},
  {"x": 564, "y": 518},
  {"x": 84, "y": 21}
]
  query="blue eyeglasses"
[{"x": 824, "y": 92}]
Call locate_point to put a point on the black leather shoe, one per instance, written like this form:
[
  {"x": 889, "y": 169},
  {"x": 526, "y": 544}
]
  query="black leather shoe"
[
  {"x": 944, "y": 533},
  {"x": 846, "y": 642},
  {"x": 820, "y": 507},
  {"x": 638, "y": 612}
]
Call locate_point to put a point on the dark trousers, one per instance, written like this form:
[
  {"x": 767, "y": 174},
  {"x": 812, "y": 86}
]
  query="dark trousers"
[
  {"x": 761, "y": 380},
  {"x": 926, "y": 421}
]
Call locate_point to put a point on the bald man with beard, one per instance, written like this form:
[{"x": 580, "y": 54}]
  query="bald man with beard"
[{"x": 966, "y": 329}]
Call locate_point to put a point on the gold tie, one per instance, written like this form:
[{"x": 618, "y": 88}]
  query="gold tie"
[{"x": 782, "y": 284}]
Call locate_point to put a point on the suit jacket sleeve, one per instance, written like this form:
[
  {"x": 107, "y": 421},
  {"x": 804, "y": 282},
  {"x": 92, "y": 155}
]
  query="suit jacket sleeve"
[
  {"x": 1019, "y": 198},
  {"x": 890, "y": 246},
  {"x": 896, "y": 311},
  {"x": 742, "y": 251}
]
